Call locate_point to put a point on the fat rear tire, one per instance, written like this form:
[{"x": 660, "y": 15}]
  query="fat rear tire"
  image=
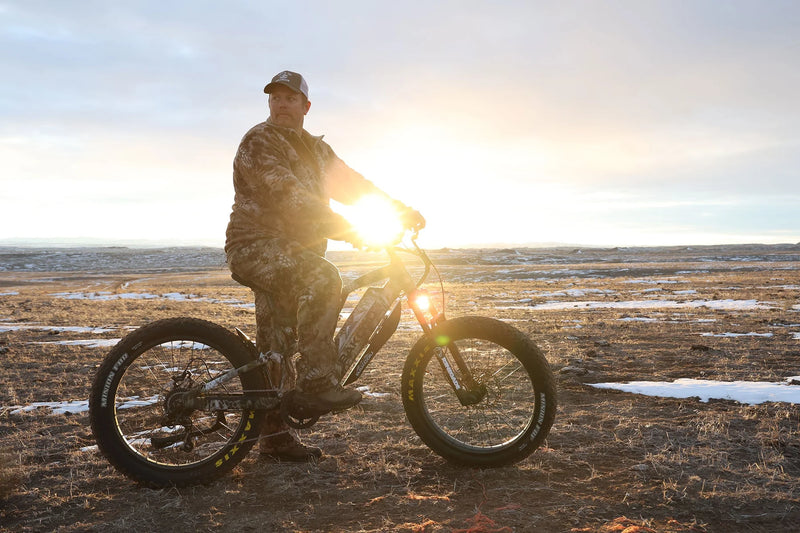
[{"x": 129, "y": 393}]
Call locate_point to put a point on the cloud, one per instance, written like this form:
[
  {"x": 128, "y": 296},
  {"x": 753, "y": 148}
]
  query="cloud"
[{"x": 684, "y": 103}]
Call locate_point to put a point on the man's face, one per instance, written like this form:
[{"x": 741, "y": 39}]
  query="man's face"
[{"x": 287, "y": 108}]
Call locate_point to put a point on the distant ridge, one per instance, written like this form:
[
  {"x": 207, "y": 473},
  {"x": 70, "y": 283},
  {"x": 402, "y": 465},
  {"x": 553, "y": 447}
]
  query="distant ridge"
[
  {"x": 119, "y": 258},
  {"x": 80, "y": 242}
]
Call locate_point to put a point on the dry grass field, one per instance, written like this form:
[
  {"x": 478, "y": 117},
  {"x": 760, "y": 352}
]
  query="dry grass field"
[{"x": 614, "y": 461}]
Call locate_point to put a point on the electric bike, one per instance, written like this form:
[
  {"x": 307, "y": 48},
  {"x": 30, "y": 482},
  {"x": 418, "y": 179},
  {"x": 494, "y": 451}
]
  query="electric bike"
[{"x": 180, "y": 401}]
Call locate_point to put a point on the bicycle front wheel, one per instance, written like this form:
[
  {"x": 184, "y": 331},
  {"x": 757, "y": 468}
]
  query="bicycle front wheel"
[
  {"x": 129, "y": 407},
  {"x": 514, "y": 402}
]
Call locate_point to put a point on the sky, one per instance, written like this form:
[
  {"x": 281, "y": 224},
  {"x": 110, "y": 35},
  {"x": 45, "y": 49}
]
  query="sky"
[{"x": 505, "y": 123}]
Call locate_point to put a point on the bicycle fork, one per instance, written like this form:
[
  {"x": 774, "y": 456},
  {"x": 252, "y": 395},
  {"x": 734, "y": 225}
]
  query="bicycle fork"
[{"x": 466, "y": 388}]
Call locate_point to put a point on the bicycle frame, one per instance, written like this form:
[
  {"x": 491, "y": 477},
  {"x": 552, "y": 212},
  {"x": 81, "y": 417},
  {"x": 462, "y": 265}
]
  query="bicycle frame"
[{"x": 399, "y": 283}]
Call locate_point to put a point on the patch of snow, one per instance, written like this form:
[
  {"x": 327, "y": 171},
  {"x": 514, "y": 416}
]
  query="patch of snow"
[
  {"x": 172, "y": 296},
  {"x": 728, "y": 305},
  {"x": 103, "y": 296},
  {"x": 88, "y": 343},
  {"x": 748, "y": 392},
  {"x": 63, "y": 329},
  {"x": 574, "y": 293},
  {"x": 78, "y": 406},
  {"x": 135, "y": 401},
  {"x": 652, "y": 281},
  {"x": 751, "y": 334},
  {"x": 10, "y": 293},
  {"x": 675, "y": 320},
  {"x": 56, "y": 408}
]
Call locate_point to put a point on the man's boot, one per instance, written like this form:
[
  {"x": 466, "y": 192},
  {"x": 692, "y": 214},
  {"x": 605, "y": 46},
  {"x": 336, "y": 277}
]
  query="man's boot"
[
  {"x": 278, "y": 444},
  {"x": 324, "y": 401}
]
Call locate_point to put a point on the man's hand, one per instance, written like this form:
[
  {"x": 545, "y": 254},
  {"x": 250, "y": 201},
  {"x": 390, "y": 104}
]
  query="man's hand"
[
  {"x": 409, "y": 217},
  {"x": 342, "y": 230},
  {"x": 412, "y": 219},
  {"x": 351, "y": 236}
]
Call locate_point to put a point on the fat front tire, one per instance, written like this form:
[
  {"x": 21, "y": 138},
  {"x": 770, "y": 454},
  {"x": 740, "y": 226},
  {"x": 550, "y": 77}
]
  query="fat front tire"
[
  {"x": 128, "y": 404},
  {"x": 511, "y": 414}
]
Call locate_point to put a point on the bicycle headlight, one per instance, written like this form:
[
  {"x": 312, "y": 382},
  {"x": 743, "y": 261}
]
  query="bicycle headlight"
[{"x": 422, "y": 300}]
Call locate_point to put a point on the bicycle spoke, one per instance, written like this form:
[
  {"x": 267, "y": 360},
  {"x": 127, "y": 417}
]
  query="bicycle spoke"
[
  {"x": 141, "y": 418},
  {"x": 504, "y": 412}
]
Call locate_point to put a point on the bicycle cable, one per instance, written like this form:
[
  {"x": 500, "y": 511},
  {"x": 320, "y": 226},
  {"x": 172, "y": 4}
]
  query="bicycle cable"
[{"x": 429, "y": 264}]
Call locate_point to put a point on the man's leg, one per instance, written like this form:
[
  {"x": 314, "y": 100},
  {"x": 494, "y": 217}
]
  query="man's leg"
[
  {"x": 318, "y": 303},
  {"x": 298, "y": 279},
  {"x": 278, "y": 441},
  {"x": 317, "y": 314},
  {"x": 262, "y": 263}
]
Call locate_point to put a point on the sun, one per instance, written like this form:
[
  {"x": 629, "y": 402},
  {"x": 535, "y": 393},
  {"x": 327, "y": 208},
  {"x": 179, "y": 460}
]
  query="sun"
[{"x": 375, "y": 219}]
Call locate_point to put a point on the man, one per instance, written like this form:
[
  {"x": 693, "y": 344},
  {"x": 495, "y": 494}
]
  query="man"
[{"x": 281, "y": 219}]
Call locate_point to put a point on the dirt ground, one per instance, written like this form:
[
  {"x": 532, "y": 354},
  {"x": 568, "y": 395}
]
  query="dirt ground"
[{"x": 613, "y": 461}]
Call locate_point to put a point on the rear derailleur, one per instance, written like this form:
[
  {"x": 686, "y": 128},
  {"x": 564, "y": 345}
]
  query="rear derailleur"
[{"x": 177, "y": 416}]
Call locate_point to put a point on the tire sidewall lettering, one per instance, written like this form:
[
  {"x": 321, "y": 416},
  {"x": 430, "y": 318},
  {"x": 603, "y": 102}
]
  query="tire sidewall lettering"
[
  {"x": 539, "y": 422},
  {"x": 110, "y": 379},
  {"x": 412, "y": 375},
  {"x": 235, "y": 448}
]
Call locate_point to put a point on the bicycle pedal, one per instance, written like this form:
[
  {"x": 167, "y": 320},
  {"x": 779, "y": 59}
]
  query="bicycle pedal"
[{"x": 296, "y": 416}]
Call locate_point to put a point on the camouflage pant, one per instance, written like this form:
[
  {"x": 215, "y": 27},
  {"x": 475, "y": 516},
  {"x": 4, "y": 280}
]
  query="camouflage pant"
[{"x": 298, "y": 294}]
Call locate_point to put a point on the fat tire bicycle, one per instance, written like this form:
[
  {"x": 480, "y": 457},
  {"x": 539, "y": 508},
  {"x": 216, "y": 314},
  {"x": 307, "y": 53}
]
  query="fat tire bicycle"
[{"x": 181, "y": 401}]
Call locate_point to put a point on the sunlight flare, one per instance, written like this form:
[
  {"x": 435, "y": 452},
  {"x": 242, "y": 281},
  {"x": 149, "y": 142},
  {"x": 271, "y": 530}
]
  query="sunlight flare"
[{"x": 376, "y": 220}]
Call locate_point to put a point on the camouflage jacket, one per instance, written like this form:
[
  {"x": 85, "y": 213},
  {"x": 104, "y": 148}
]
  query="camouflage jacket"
[{"x": 283, "y": 182}]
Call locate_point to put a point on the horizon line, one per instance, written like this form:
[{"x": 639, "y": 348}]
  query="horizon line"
[{"x": 79, "y": 242}]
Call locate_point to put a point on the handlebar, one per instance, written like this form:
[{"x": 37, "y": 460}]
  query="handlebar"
[
  {"x": 393, "y": 250},
  {"x": 396, "y": 269}
]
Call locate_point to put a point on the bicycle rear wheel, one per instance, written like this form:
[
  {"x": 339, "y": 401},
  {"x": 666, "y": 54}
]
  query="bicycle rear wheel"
[
  {"x": 511, "y": 413},
  {"x": 157, "y": 446}
]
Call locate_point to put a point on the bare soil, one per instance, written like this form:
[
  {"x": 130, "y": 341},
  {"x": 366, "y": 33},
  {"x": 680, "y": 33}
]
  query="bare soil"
[{"x": 614, "y": 461}]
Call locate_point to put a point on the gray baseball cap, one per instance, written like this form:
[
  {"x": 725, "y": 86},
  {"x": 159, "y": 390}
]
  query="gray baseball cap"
[{"x": 290, "y": 79}]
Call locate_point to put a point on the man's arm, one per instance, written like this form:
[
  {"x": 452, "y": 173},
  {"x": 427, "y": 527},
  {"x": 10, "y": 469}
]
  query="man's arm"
[
  {"x": 347, "y": 186},
  {"x": 270, "y": 176}
]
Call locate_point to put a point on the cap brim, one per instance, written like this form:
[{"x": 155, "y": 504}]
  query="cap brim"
[{"x": 270, "y": 86}]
